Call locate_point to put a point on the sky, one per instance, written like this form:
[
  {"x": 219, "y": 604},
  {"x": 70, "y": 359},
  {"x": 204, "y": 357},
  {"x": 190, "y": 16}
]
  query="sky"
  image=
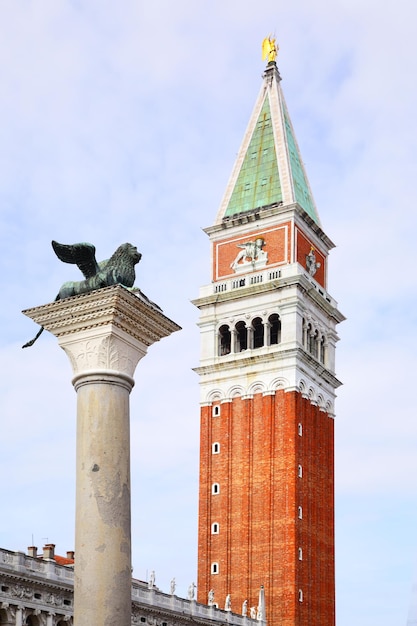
[{"x": 121, "y": 122}]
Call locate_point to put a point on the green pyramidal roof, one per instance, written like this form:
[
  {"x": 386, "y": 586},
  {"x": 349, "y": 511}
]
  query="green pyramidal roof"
[
  {"x": 301, "y": 187},
  {"x": 269, "y": 168},
  {"x": 258, "y": 182}
]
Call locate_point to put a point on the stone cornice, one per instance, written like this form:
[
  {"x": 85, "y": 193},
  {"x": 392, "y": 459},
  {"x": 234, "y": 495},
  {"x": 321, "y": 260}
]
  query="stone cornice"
[
  {"x": 319, "y": 368},
  {"x": 230, "y": 362},
  {"x": 299, "y": 280},
  {"x": 37, "y": 582},
  {"x": 272, "y": 210},
  {"x": 314, "y": 226},
  {"x": 115, "y": 305},
  {"x": 225, "y": 363}
]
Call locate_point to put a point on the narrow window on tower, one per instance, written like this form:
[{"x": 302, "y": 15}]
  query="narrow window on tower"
[
  {"x": 214, "y": 568},
  {"x": 215, "y": 448},
  {"x": 314, "y": 344},
  {"x": 300, "y": 512},
  {"x": 274, "y": 329},
  {"x": 323, "y": 350},
  {"x": 300, "y": 595},
  {"x": 309, "y": 334},
  {"x": 300, "y": 554},
  {"x": 225, "y": 340},
  {"x": 300, "y": 430},
  {"x": 216, "y": 411},
  {"x": 304, "y": 333},
  {"x": 215, "y": 488},
  {"x": 215, "y": 528},
  {"x": 300, "y": 471}
]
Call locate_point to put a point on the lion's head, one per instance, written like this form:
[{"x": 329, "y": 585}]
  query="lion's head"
[{"x": 123, "y": 262}]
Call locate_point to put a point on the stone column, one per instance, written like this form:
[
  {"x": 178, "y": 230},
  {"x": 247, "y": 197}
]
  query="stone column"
[
  {"x": 104, "y": 333},
  {"x": 19, "y": 615}
]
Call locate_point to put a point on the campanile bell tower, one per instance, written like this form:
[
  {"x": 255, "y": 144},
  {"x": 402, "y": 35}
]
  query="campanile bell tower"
[{"x": 267, "y": 379}]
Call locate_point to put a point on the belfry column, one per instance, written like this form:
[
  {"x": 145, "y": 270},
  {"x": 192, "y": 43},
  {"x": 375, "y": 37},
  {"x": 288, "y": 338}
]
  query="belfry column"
[{"x": 105, "y": 333}]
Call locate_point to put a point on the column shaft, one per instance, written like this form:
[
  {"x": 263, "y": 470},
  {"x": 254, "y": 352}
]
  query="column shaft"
[{"x": 102, "y": 586}]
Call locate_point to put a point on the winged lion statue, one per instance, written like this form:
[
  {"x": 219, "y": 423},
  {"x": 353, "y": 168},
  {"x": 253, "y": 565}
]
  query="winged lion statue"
[{"x": 119, "y": 269}]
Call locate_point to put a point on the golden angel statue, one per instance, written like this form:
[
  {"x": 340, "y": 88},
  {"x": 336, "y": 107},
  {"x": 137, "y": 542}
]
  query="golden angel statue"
[{"x": 269, "y": 49}]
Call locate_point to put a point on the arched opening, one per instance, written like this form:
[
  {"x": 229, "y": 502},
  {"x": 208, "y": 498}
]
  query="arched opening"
[
  {"x": 32, "y": 620},
  {"x": 258, "y": 332},
  {"x": 323, "y": 351},
  {"x": 241, "y": 337},
  {"x": 309, "y": 333},
  {"x": 225, "y": 340},
  {"x": 274, "y": 329},
  {"x": 314, "y": 344},
  {"x": 305, "y": 342}
]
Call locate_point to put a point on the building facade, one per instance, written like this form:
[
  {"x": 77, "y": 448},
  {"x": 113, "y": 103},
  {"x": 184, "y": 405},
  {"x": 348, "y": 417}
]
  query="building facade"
[
  {"x": 39, "y": 591},
  {"x": 267, "y": 380}
]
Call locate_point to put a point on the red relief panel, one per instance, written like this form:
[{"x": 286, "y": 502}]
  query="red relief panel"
[
  {"x": 303, "y": 248},
  {"x": 271, "y": 247}
]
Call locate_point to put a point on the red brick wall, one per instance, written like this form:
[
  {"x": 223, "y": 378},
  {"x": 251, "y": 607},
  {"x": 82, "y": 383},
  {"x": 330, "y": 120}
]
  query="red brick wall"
[{"x": 257, "y": 508}]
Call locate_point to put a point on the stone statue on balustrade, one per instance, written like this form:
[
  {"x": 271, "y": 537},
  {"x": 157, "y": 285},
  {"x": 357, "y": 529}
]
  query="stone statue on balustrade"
[
  {"x": 245, "y": 608},
  {"x": 228, "y": 603},
  {"x": 191, "y": 591}
]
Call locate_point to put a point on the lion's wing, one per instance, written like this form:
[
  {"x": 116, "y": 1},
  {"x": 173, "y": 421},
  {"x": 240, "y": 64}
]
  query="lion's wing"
[{"x": 81, "y": 254}]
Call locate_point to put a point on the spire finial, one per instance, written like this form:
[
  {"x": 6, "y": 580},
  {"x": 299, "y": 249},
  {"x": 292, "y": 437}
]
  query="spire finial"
[{"x": 269, "y": 49}]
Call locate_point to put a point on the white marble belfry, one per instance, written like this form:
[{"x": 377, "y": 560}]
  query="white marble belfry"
[{"x": 104, "y": 333}]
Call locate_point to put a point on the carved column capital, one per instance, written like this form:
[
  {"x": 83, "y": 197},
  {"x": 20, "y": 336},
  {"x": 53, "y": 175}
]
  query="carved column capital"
[{"x": 104, "y": 332}]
